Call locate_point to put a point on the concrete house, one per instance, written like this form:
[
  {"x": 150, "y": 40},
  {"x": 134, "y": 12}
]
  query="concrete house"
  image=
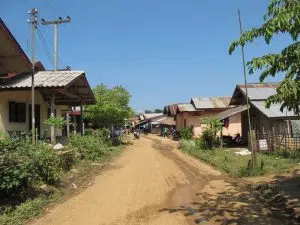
[
  {"x": 62, "y": 89},
  {"x": 190, "y": 114}
]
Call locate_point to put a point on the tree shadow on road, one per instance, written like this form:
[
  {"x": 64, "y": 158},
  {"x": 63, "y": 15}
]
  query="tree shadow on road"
[{"x": 232, "y": 207}]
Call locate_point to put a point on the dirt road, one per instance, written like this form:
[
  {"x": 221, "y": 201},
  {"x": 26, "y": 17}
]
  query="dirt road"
[{"x": 153, "y": 183}]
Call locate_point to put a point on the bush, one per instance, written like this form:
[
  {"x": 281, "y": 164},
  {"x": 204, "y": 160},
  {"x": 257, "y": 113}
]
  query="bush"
[
  {"x": 68, "y": 159},
  {"x": 26, "y": 166},
  {"x": 201, "y": 144},
  {"x": 92, "y": 147},
  {"x": 186, "y": 133}
]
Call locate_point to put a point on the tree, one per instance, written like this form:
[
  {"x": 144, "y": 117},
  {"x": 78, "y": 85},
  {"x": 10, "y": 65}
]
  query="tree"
[
  {"x": 56, "y": 122},
  {"x": 282, "y": 17},
  {"x": 212, "y": 128},
  {"x": 111, "y": 108},
  {"x": 148, "y": 111},
  {"x": 158, "y": 111}
]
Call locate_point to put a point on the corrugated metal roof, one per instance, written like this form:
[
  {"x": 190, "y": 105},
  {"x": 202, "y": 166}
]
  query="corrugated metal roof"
[
  {"x": 231, "y": 112},
  {"x": 210, "y": 102},
  {"x": 152, "y": 115},
  {"x": 256, "y": 91},
  {"x": 168, "y": 121},
  {"x": 260, "y": 91},
  {"x": 45, "y": 79},
  {"x": 273, "y": 111},
  {"x": 186, "y": 108}
]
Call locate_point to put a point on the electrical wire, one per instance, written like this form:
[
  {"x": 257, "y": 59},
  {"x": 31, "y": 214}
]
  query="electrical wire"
[{"x": 45, "y": 46}]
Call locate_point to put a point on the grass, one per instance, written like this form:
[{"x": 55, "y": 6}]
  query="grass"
[
  {"x": 237, "y": 165},
  {"x": 33, "y": 208}
]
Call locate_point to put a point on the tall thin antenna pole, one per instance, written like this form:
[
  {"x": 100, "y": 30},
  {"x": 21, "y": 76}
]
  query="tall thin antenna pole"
[
  {"x": 247, "y": 99},
  {"x": 33, "y": 21}
]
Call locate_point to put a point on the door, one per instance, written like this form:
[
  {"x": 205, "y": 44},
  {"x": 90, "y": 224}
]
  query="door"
[{"x": 37, "y": 112}]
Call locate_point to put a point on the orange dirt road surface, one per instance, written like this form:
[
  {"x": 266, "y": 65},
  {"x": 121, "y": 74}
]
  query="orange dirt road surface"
[{"x": 153, "y": 183}]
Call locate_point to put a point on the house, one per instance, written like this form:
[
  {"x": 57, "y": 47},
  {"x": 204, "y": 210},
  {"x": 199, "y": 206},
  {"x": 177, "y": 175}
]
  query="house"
[
  {"x": 61, "y": 89},
  {"x": 190, "y": 114},
  {"x": 150, "y": 121},
  {"x": 262, "y": 119}
]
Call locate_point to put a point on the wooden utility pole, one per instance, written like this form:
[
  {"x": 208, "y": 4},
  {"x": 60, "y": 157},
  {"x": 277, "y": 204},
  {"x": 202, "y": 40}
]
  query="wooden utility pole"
[
  {"x": 251, "y": 133},
  {"x": 56, "y": 23},
  {"x": 33, "y": 22}
]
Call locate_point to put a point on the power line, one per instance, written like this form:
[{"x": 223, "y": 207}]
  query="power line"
[
  {"x": 45, "y": 46},
  {"x": 45, "y": 33},
  {"x": 55, "y": 23}
]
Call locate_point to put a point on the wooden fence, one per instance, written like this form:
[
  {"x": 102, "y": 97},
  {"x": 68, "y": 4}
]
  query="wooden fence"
[{"x": 270, "y": 141}]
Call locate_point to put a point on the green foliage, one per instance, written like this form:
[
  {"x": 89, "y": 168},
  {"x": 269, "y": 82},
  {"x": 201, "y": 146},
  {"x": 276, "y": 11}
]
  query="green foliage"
[
  {"x": 237, "y": 165},
  {"x": 202, "y": 144},
  {"x": 27, "y": 165},
  {"x": 186, "y": 133},
  {"x": 213, "y": 125},
  {"x": 23, "y": 212},
  {"x": 92, "y": 147},
  {"x": 58, "y": 121},
  {"x": 111, "y": 108},
  {"x": 158, "y": 111},
  {"x": 212, "y": 128},
  {"x": 282, "y": 17}
]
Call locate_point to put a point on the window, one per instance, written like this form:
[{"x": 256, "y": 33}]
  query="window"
[
  {"x": 184, "y": 123},
  {"x": 17, "y": 112}
]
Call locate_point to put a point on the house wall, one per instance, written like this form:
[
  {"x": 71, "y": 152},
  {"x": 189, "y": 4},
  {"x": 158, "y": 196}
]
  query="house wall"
[
  {"x": 235, "y": 125},
  {"x": 193, "y": 119},
  {"x": 25, "y": 97}
]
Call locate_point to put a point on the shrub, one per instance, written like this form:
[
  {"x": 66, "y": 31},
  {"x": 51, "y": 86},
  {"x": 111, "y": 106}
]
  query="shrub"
[
  {"x": 202, "y": 144},
  {"x": 45, "y": 165},
  {"x": 68, "y": 159},
  {"x": 92, "y": 147},
  {"x": 22, "y": 168},
  {"x": 187, "y": 145},
  {"x": 186, "y": 133}
]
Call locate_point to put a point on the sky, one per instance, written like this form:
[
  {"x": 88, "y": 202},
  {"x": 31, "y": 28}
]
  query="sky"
[{"x": 162, "y": 51}]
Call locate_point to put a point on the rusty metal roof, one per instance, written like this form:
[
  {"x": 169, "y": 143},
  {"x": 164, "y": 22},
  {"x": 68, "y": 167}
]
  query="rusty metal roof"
[
  {"x": 231, "y": 112},
  {"x": 186, "y": 107},
  {"x": 44, "y": 79},
  {"x": 259, "y": 91},
  {"x": 210, "y": 102}
]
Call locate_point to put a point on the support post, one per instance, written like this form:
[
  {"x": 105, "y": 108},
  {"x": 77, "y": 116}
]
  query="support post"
[
  {"x": 68, "y": 124},
  {"x": 53, "y": 141},
  {"x": 81, "y": 118},
  {"x": 75, "y": 125},
  {"x": 55, "y": 47},
  {"x": 33, "y": 21}
]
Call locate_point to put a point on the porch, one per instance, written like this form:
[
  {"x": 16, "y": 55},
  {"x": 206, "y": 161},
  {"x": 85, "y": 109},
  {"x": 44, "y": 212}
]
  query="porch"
[{"x": 56, "y": 92}]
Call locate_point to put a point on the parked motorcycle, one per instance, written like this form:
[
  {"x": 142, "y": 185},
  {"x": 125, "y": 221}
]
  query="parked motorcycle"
[{"x": 136, "y": 134}]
